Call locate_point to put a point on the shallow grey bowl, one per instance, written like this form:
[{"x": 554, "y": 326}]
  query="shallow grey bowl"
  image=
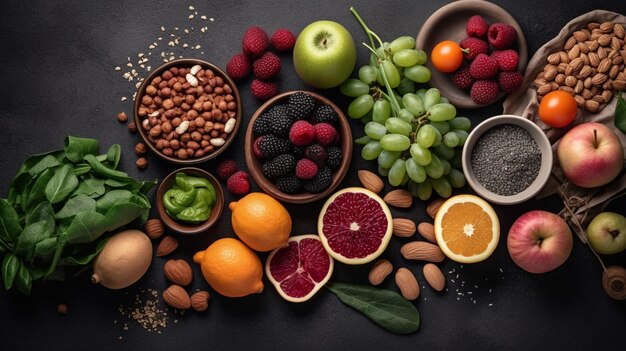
[{"x": 544, "y": 170}]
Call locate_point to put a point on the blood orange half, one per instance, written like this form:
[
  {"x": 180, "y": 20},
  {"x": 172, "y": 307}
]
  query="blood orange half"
[
  {"x": 355, "y": 226},
  {"x": 300, "y": 269}
]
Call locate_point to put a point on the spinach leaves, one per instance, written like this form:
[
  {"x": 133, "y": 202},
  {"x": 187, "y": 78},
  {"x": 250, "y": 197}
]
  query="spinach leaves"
[
  {"x": 61, "y": 206},
  {"x": 620, "y": 113}
]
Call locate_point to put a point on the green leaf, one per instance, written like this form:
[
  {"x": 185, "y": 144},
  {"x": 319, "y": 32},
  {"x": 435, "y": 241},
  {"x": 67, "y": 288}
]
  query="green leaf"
[
  {"x": 86, "y": 258},
  {"x": 47, "y": 162},
  {"x": 10, "y": 227},
  {"x": 620, "y": 113},
  {"x": 112, "y": 197},
  {"x": 384, "y": 307},
  {"x": 75, "y": 205},
  {"x": 23, "y": 281},
  {"x": 102, "y": 170},
  {"x": 122, "y": 214},
  {"x": 62, "y": 184},
  {"x": 10, "y": 266},
  {"x": 5, "y": 247},
  {"x": 77, "y": 148},
  {"x": 82, "y": 168},
  {"x": 92, "y": 187},
  {"x": 30, "y": 162},
  {"x": 113, "y": 155},
  {"x": 35, "y": 191},
  {"x": 44, "y": 250},
  {"x": 32, "y": 234},
  {"x": 86, "y": 227},
  {"x": 17, "y": 187},
  {"x": 42, "y": 213},
  {"x": 61, "y": 243}
]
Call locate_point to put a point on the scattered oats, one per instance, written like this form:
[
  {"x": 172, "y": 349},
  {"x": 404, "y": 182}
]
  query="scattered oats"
[
  {"x": 203, "y": 17},
  {"x": 452, "y": 280},
  {"x": 490, "y": 304},
  {"x": 211, "y": 19},
  {"x": 149, "y": 68},
  {"x": 475, "y": 286},
  {"x": 458, "y": 299},
  {"x": 185, "y": 45},
  {"x": 190, "y": 16},
  {"x": 474, "y": 301},
  {"x": 501, "y": 271},
  {"x": 198, "y": 46},
  {"x": 470, "y": 292},
  {"x": 123, "y": 98},
  {"x": 160, "y": 38},
  {"x": 119, "y": 338},
  {"x": 118, "y": 68},
  {"x": 191, "y": 8},
  {"x": 129, "y": 65},
  {"x": 172, "y": 57},
  {"x": 171, "y": 43},
  {"x": 202, "y": 29},
  {"x": 151, "y": 47},
  {"x": 187, "y": 31},
  {"x": 138, "y": 85},
  {"x": 162, "y": 30},
  {"x": 176, "y": 41},
  {"x": 195, "y": 13},
  {"x": 175, "y": 28},
  {"x": 489, "y": 290},
  {"x": 140, "y": 54}
]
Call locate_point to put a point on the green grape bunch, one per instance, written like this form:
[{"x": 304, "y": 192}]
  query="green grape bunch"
[{"x": 412, "y": 131}]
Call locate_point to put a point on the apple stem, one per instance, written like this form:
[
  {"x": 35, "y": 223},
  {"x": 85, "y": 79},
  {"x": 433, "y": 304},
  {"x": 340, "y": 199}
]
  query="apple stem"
[{"x": 595, "y": 138}]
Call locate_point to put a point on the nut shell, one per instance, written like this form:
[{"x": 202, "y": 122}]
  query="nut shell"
[
  {"x": 178, "y": 272},
  {"x": 200, "y": 300},
  {"x": 175, "y": 296}
]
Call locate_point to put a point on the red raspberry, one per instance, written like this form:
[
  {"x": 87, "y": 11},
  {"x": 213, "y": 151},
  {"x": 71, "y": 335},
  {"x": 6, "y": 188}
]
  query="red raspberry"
[
  {"x": 502, "y": 35},
  {"x": 238, "y": 183},
  {"x": 507, "y": 59},
  {"x": 510, "y": 81},
  {"x": 306, "y": 169},
  {"x": 263, "y": 90},
  {"x": 462, "y": 78},
  {"x": 266, "y": 66},
  {"x": 476, "y": 27},
  {"x": 283, "y": 40},
  {"x": 326, "y": 134},
  {"x": 302, "y": 133},
  {"x": 473, "y": 47},
  {"x": 255, "y": 41},
  {"x": 238, "y": 67},
  {"x": 484, "y": 91},
  {"x": 256, "y": 149},
  {"x": 226, "y": 168},
  {"x": 483, "y": 67}
]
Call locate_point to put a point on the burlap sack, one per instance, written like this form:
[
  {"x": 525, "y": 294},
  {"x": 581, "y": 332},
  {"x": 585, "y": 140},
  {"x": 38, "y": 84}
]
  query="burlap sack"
[{"x": 580, "y": 205}]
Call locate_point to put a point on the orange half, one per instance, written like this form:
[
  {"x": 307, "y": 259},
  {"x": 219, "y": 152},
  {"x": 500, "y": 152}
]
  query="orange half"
[{"x": 467, "y": 229}]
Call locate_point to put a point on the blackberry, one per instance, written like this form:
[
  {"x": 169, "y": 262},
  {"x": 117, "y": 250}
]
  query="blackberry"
[
  {"x": 280, "y": 166},
  {"x": 261, "y": 125},
  {"x": 333, "y": 157},
  {"x": 289, "y": 185},
  {"x": 300, "y": 105},
  {"x": 297, "y": 152},
  {"x": 280, "y": 124},
  {"x": 316, "y": 153},
  {"x": 272, "y": 146},
  {"x": 325, "y": 114},
  {"x": 320, "y": 182}
]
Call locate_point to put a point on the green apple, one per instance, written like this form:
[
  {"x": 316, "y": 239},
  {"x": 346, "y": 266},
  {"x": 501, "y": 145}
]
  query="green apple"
[
  {"x": 324, "y": 55},
  {"x": 607, "y": 233}
]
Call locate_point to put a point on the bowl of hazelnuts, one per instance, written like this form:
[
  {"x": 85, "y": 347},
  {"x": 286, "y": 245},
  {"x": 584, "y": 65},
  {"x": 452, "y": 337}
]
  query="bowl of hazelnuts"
[{"x": 188, "y": 111}]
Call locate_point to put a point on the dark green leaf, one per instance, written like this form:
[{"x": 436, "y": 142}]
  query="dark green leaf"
[
  {"x": 75, "y": 205},
  {"x": 35, "y": 191},
  {"x": 86, "y": 227},
  {"x": 112, "y": 197},
  {"x": 32, "y": 234},
  {"x": 122, "y": 214},
  {"x": 5, "y": 247},
  {"x": 114, "y": 183},
  {"x": 102, "y": 170},
  {"x": 92, "y": 187},
  {"x": 620, "y": 113},
  {"x": 81, "y": 168},
  {"x": 44, "y": 250},
  {"x": 10, "y": 227},
  {"x": 147, "y": 185},
  {"x": 17, "y": 187},
  {"x": 23, "y": 281},
  {"x": 61, "y": 243},
  {"x": 10, "y": 266},
  {"x": 86, "y": 258},
  {"x": 33, "y": 160},
  {"x": 42, "y": 213},
  {"x": 384, "y": 307},
  {"x": 77, "y": 148},
  {"x": 62, "y": 184},
  {"x": 47, "y": 162},
  {"x": 113, "y": 155}
]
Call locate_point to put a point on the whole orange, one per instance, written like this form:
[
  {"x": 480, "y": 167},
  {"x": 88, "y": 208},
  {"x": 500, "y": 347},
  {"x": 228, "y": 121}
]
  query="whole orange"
[{"x": 231, "y": 268}]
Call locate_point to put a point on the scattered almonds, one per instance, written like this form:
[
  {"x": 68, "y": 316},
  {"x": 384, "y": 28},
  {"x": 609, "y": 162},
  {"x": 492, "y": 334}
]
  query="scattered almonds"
[
  {"x": 427, "y": 231},
  {"x": 422, "y": 251},
  {"x": 178, "y": 272},
  {"x": 200, "y": 301},
  {"x": 433, "y": 207},
  {"x": 403, "y": 227},
  {"x": 407, "y": 283},
  {"x": 175, "y": 296},
  {"x": 167, "y": 245},
  {"x": 399, "y": 198},
  {"x": 154, "y": 228},
  {"x": 434, "y": 276},
  {"x": 371, "y": 181},
  {"x": 379, "y": 271}
]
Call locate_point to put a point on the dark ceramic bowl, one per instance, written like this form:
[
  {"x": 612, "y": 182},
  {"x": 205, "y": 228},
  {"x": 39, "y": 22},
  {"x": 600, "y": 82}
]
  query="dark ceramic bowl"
[{"x": 186, "y": 228}]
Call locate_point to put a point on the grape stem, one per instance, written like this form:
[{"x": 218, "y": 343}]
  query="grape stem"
[{"x": 371, "y": 35}]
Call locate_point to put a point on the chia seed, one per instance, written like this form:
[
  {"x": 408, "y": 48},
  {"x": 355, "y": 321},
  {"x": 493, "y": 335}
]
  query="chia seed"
[{"x": 506, "y": 160}]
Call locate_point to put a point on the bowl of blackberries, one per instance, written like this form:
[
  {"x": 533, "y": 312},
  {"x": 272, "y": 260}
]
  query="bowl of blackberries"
[{"x": 298, "y": 146}]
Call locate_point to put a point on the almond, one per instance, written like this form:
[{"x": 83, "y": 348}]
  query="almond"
[
  {"x": 177, "y": 297},
  {"x": 371, "y": 181},
  {"x": 604, "y": 39},
  {"x": 433, "y": 207},
  {"x": 178, "y": 272},
  {"x": 571, "y": 41},
  {"x": 579, "y": 87},
  {"x": 619, "y": 84},
  {"x": 579, "y": 36},
  {"x": 604, "y": 65},
  {"x": 574, "y": 52},
  {"x": 380, "y": 270},
  {"x": 427, "y": 231},
  {"x": 584, "y": 47},
  {"x": 403, "y": 227},
  {"x": 563, "y": 57},
  {"x": 594, "y": 59},
  {"x": 434, "y": 276},
  {"x": 614, "y": 71},
  {"x": 592, "y": 106},
  {"x": 167, "y": 245},
  {"x": 585, "y": 71},
  {"x": 593, "y": 45},
  {"x": 407, "y": 283},
  {"x": 607, "y": 95},
  {"x": 606, "y": 27},
  {"x": 422, "y": 251},
  {"x": 570, "y": 81},
  {"x": 200, "y": 300},
  {"x": 599, "y": 79},
  {"x": 616, "y": 43},
  {"x": 554, "y": 58},
  {"x": 580, "y": 101},
  {"x": 154, "y": 228},
  {"x": 593, "y": 25},
  {"x": 399, "y": 198},
  {"x": 574, "y": 66},
  {"x": 544, "y": 89},
  {"x": 550, "y": 73},
  {"x": 619, "y": 31}
]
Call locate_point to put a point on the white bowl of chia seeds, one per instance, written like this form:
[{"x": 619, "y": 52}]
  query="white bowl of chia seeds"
[{"x": 507, "y": 159}]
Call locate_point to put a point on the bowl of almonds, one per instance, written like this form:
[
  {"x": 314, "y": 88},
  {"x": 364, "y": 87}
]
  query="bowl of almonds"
[{"x": 187, "y": 111}]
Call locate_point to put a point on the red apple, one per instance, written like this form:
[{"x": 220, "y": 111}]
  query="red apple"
[
  {"x": 590, "y": 155},
  {"x": 539, "y": 241}
]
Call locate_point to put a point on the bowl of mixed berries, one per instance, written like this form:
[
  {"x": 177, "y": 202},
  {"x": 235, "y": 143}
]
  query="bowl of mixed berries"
[{"x": 298, "y": 146}]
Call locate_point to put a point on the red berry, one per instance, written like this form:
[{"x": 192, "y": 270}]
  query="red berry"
[
  {"x": 266, "y": 66},
  {"x": 302, "y": 133},
  {"x": 476, "y": 27},
  {"x": 483, "y": 67},
  {"x": 263, "y": 90},
  {"x": 316, "y": 153},
  {"x": 255, "y": 41},
  {"x": 510, "y": 81},
  {"x": 306, "y": 169},
  {"x": 226, "y": 168},
  {"x": 325, "y": 134},
  {"x": 256, "y": 149},
  {"x": 283, "y": 40},
  {"x": 507, "y": 59},
  {"x": 238, "y": 183},
  {"x": 502, "y": 35},
  {"x": 462, "y": 78},
  {"x": 472, "y": 47},
  {"x": 238, "y": 67},
  {"x": 484, "y": 91}
]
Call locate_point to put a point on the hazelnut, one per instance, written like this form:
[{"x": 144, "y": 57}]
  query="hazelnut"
[
  {"x": 151, "y": 90},
  {"x": 132, "y": 127},
  {"x": 154, "y": 228},
  {"x": 122, "y": 117},
  {"x": 140, "y": 148},
  {"x": 62, "y": 308},
  {"x": 178, "y": 272},
  {"x": 200, "y": 300},
  {"x": 141, "y": 163}
]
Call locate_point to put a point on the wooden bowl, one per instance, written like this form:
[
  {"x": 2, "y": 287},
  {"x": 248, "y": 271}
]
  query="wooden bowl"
[
  {"x": 448, "y": 23},
  {"x": 187, "y": 63},
  {"x": 255, "y": 165},
  {"x": 185, "y": 228}
]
